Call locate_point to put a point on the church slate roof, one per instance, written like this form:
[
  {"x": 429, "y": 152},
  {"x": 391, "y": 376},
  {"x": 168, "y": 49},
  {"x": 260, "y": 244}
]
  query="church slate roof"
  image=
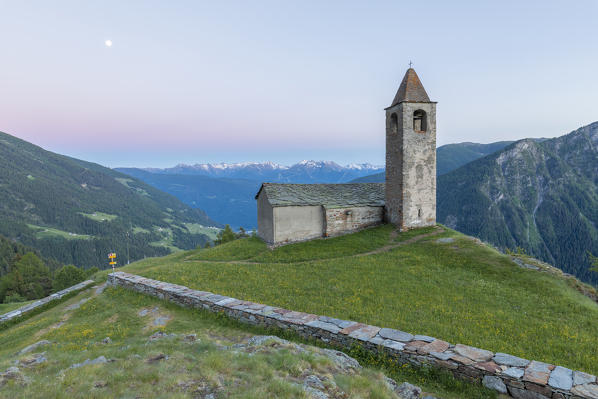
[
  {"x": 328, "y": 195},
  {"x": 411, "y": 90}
]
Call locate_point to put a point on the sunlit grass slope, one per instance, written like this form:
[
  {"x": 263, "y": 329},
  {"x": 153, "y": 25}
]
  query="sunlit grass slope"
[{"x": 461, "y": 291}]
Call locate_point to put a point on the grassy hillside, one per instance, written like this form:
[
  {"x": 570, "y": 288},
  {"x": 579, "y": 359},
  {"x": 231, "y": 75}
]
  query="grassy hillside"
[
  {"x": 152, "y": 352},
  {"x": 461, "y": 290},
  {"x": 541, "y": 196},
  {"x": 77, "y": 212}
]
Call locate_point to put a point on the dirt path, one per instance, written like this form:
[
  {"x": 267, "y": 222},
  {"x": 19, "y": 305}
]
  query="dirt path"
[
  {"x": 388, "y": 247},
  {"x": 393, "y": 236}
]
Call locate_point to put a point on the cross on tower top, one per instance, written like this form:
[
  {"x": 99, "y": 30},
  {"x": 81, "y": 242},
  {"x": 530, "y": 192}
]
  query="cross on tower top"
[{"x": 410, "y": 64}]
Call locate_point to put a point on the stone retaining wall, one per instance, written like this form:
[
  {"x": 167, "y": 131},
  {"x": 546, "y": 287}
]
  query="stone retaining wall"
[
  {"x": 504, "y": 373},
  {"x": 41, "y": 302}
]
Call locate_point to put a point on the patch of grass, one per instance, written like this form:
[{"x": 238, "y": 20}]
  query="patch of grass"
[
  {"x": 351, "y": 244},
  {"x": 196, "y": 228},
  {"x": 462, "y": 291},
  {"x": 49, "y": 232},
  {"x": 99, "y": 216},
  {"x": 167, "y": 240},
  {"x": 124, "y": 181},
  {"x": 242, "y": 249},
  {"x": 199, "y": 368},
  {"x": 409, "y": 234},
  {"x": 137, "y": 230}
]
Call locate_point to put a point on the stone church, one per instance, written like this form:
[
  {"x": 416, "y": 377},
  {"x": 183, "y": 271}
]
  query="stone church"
[{"x": 296, "y": 212}]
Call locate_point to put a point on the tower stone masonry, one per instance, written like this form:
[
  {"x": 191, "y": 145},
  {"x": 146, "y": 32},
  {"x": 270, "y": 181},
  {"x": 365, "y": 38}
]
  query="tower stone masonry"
[{"x": 410, "y": 193}]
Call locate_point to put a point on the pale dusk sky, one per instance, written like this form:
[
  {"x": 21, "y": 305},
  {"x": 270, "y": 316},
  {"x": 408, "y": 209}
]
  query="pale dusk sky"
[{"x": 282, "y": 81}]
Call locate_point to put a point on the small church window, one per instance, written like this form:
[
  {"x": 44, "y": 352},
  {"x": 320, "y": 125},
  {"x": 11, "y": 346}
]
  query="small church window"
[
  {"x": 419, "y": 121},
  {"x": 394, "y": 123},
  {"x": 419, "y": 213}
]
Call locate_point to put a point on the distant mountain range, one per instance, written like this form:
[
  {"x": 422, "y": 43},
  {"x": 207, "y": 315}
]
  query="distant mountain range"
[
  {"x": 302, "y": 172},
  {"x": 77, "y": 212},
  {"x": 541, "y": 196},
  {"x": 226, "y": 191}
]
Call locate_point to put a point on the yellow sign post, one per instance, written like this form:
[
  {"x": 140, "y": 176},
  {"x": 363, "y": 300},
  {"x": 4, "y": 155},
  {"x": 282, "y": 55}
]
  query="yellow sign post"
[{"x": 112, "y": 257}]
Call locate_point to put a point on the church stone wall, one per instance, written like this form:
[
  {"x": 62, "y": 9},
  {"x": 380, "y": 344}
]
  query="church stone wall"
[
  {"x": 346, "y": 220},
  {"x": 265, "y": 227},
  {"x": 297, "y": 223},
  {"x": 507, "y": 374}
]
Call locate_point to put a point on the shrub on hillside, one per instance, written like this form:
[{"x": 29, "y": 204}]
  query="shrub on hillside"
[
  {"x": 68, "y": 276},
  {"x": 227, "y": 235},
  {"x": 29, "y": 278}
]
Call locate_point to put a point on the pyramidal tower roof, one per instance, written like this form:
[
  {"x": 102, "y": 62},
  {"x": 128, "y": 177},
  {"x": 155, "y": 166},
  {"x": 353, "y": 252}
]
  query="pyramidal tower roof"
[{"x": 411, "y": 90}]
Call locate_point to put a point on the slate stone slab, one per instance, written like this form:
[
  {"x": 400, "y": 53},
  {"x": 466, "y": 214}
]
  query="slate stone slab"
[
  {"x": 589, "y": 391},
  {"x": 510, "y": 360},
  {"x": 442, "y": 355},
  {"x": 340, "y": 323},
  {"x": 333, "y": 328},
  {"x": 395, "y": 335},
  {"x": 365, "y": 333},
  {"x": 537, "y": 372},
  {"x": 561, "y": 378},
  {"x": 580, "y": 378},
  {"x": 515, "y": 372},
  {"x": 494, "y": 383},
  {"x": 490, "y": 367},
  {"x": 389, "y": 343},
  {"x": 424, "y": 338},
  {"x": 475, "y": 354},
  {"x": 435, "y": 346},
  {"x": 377, "y": 340}
]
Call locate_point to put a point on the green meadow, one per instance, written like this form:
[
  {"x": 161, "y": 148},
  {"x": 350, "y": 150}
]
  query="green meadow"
[
  {"x": 461, "y": 291},
  {"x": 99, "y": 216},
  {"x": 49, "y": 232}
]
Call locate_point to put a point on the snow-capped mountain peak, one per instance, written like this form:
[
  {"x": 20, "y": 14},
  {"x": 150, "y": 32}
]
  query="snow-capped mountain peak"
[{"x": 305, "y": 171}]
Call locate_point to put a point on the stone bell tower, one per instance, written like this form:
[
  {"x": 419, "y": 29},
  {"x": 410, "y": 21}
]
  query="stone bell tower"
[{"x": 411, "y": 156}]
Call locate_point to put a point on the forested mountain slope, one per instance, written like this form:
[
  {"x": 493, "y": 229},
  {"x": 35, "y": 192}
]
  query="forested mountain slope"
[
  {"x": 11, "y": 251},
  {"x": 76, "y": 211},
  {"x": 541, "y": 196}
]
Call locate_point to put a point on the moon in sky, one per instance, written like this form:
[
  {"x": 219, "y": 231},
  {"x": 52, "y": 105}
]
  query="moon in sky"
[{"x": 108, "y": 43}]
